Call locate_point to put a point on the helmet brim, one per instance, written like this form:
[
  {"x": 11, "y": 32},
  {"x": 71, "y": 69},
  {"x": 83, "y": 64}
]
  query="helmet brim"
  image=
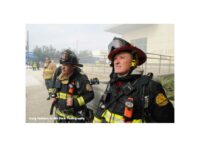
[
  {"x": 140, "y": 54},
  {"x": 79, "y": 65}
]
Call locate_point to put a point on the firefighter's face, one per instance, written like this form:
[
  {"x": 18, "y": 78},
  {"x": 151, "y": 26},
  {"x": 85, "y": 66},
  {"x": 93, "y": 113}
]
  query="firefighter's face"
[
  {"x": 47, "y": 59},
  {"x": 67, "y": 69},
  {"x": 122, "y": 63}
]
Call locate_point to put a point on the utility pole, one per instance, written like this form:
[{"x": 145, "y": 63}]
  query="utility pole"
[
  {"x": 27, "y": 41},
  {"x": 27, "y": 48}
]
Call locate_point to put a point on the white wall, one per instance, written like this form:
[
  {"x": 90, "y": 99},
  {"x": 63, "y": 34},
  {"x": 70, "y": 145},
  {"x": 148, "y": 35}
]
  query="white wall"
[{"x": 160, "y": 38}]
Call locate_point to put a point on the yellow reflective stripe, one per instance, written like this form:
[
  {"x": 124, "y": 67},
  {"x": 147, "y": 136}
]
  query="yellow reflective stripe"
[
  {"x": 137, "y": 121},
  {"x": 65, "y": 81},
  {"x": 64, "y": 96},
  {"x": 60, "y": 114},
  {"x": 64, "y": 115},
  {"x": 51, "y": 90},
  {"x": 81, "y": 101},
  {"x": 96, "y": 120},
  {"x": 47, "y": 70},
  {"x": 115, "y": 118},
  {"x": 112, "y": 117},
  {"x": 47, "y": 77}
]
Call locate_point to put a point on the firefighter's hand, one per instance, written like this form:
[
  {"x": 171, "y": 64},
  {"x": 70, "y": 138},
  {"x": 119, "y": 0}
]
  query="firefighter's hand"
[
  {"x": 69, "y": 101},
  {"x": 53, "y": 99}
]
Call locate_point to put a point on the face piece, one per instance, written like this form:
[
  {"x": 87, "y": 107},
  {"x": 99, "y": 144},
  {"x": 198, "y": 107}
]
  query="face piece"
[{"x": 122, "y": 63}]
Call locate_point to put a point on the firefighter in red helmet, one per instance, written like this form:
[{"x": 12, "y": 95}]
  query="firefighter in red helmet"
[{"x": 131, "y": 97}]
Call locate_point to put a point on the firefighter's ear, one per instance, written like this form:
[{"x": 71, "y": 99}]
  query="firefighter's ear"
[{"x": 133, "y": 63}]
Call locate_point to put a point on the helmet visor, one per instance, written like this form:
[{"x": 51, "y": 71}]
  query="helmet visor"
[{"x": 116, "y": 43}]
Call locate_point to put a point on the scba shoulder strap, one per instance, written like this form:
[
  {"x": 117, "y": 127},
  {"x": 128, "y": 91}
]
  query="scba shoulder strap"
[
  {"x": 145, "y": 79},
  {"x": 144, "y": 95},
  {"x": 143, "y": 82}
]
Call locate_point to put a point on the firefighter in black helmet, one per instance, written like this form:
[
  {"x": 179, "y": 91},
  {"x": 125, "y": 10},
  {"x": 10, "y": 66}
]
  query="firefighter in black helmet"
[
  {"x": 72, "y": 90},
  {"x": 131, "y": 97}
]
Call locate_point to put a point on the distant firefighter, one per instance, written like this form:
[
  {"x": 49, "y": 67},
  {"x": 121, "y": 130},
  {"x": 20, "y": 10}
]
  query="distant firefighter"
[
  {"x": 49, "y": 69},
  {"x": 34, "y": 66}
]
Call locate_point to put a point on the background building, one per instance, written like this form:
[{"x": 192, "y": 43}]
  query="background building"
[
  {"x": 151, "y": 38},
  {"x": 157, "y": 40}
]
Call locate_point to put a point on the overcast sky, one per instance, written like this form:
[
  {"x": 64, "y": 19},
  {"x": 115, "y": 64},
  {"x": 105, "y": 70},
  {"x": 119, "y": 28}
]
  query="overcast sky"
[{"x": 74, "y": 36}]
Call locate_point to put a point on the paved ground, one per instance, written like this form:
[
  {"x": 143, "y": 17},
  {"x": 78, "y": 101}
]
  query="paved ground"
[{"x": 37, "y": 107}]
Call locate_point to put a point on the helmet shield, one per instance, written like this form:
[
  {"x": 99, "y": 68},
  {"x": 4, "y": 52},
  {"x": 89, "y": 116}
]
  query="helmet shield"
[{"x": 118, "y": 45}]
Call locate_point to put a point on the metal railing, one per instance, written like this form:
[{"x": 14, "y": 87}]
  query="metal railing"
[
  {"x": 159, "y": 64},
  {"x": 156, "y": 63}
]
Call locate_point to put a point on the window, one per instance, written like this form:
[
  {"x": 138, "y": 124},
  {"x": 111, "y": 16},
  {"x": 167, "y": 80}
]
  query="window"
[{"x": 140, "y": 43}]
